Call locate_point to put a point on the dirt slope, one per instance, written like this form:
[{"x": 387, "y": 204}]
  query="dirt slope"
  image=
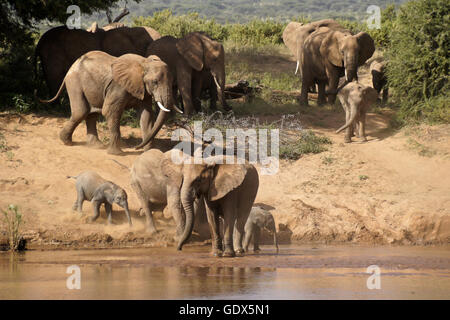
[{"x": 382, "y": 191}]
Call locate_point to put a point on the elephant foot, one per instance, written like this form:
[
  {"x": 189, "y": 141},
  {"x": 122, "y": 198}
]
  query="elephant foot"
[
  {"x": 240, "y": 252},
  {"x": 257, "y": 250},
  {"x": 217, "y": 253},
  {"x": 115, "y": 151},
  {"x": 94, "y": 142},
  {"x": 92, "y": 219},
  {"x": 66, "y": 138},
  {"x": 229, "y": 253}
]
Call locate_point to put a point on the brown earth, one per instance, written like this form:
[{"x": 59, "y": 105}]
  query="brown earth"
[
  {"x": 393, "y": 189},
  {"x": 388, "y": 190}
]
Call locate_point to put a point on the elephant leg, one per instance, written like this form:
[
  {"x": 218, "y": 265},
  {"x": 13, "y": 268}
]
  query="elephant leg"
[
  {"x": 91, "y": 130},
  {"x": 248, "y": 235},
  {"x": 321, "y": 96},
  {"x": 96, "y": 205},
  {"x": 333, "y": 82},
  {"x": 349, "y": 130},
  {"x": 146, "y": 123},
  {"x": 239, "y": 231},
  {"x": 80, "y": 110},
  {"x": 78, "y": 205},
  {"x": 184, "y": 78},
  {"x": 112, "y": 112},
  {"x": 306, "y": 84},
  {"x": 146, "y": 207},
  {"x": 256, "y": 237},
  {"x": 229, "y": 215},
  {"x": 108, "y": 209},
  {"x": 214, "y": 226},
  {"x": 362, "y": 125}
]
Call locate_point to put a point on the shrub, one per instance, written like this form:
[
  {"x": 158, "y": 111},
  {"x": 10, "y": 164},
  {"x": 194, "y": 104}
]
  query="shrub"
[
  {"x": 13, "y": 221},
  {"x": 419, "y": 61}
]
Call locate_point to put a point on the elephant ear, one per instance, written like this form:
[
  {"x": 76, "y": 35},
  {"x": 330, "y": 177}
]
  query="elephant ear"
[
  {"x": 227, "y": 177},
  {"x": 370, "y": 94},
  {"x": 366, "y": 47},
  {"x": 191, "y": 48},
  {"x": 329, "y": 49},
  {"x": 129, "y": 74},
  {"x": 290, "y": 36}
]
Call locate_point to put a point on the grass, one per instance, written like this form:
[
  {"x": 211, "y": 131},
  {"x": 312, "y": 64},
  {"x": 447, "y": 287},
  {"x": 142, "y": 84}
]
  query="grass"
[
  {"x": 421, "y": 149},
  {"x": 308, "y": 142},
  {"x": 13, "y": 221}
]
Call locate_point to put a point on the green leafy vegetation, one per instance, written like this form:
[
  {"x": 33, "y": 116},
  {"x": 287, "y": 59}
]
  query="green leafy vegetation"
[
  {"x": 308, "y": 142},
  {"x": 418, "y": 70}
]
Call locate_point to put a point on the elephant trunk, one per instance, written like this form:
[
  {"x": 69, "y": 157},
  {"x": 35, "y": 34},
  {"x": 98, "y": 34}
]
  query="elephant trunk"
[
  {"x": 219, "y": 79},
  {"x": 351, "y": 68},
  {"x": 162, "y": 116},
  {"x": 353, "y": 115},
  {"x": 187, "y": 200}
]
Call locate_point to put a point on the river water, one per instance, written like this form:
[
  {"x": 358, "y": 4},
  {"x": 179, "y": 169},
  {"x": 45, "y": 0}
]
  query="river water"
[{"x": 297, "y": 272}]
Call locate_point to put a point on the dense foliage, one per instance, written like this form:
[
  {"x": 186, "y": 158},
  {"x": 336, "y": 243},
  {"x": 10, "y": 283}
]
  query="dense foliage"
[
  {"x": 418, "y": 55},
  {"x": 18, "y": 34}
]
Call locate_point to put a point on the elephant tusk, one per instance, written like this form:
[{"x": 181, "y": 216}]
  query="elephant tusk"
[
  {"x": 346, "y": 75},
  {"x": 217, "y": 83},
  {"x": 296, "y": 69},
  {"x": 160, "y": 105},
  {"x": 177, "y": 109}
]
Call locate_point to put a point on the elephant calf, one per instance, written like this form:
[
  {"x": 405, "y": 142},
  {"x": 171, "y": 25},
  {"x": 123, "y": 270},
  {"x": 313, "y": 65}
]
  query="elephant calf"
[
  {"x": 257, "y": 220},
  {"x": 92, "y": 187},
  {"x": 356, "y": 99},
  {"x": 379, "y": 81}
]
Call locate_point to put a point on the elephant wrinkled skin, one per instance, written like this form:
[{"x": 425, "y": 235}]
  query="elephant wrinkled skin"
[
  {"x": 196, "y": 52},
  {"x": 100, "y": 83},
  {"x": 328, "y": 55}
]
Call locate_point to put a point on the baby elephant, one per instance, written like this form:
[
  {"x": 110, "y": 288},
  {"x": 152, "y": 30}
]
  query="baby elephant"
[
  {"x": 356, "y": 99},
  {"x": 379, "y": 81},
  {"x": 257, "y": 220},
  {"x": 90, "y": 186}
]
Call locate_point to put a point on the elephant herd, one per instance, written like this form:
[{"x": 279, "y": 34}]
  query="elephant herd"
[{"x": 106, "y": 71}]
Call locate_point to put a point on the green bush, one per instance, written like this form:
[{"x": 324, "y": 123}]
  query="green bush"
[
  {"x": 13, "y": 220},
  {"x": 419, "y": 61}
]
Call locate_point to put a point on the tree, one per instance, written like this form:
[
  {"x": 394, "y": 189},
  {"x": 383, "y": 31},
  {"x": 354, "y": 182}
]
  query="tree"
[{"x": 18, "y": 33}]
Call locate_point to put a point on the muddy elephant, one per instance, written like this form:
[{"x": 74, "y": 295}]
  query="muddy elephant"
[
  {"x": 100, "y": 83},
  {"x": 92, "y": 187},
  {"x": 356, "y": 99},
  {"x": 379, "y": 81},
  {"x": 259, "y": 219},
  {"x": 329, "y": 54},
  {"x": 196, "y": 52},
  {"x": 229, "y": 191},
  {"x": 60, "y": 47}
]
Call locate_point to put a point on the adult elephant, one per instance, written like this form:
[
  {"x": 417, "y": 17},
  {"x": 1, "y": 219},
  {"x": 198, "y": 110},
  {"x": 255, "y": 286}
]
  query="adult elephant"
[
  {"x": 229, "y": 191},
  {"x": 60, "y": 47},
  {"x": 100, "y": 83},
  {"x": 195, "y": 52},
  {"x": 329, "y": 54},
  {"x": 295, "y": 34}
]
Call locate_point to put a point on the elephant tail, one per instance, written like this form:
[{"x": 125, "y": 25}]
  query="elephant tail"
[
  {"x": 353, "y": 115},
  {"x": 61, "y": 88},
  {"x": 120, "y": 164}
]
